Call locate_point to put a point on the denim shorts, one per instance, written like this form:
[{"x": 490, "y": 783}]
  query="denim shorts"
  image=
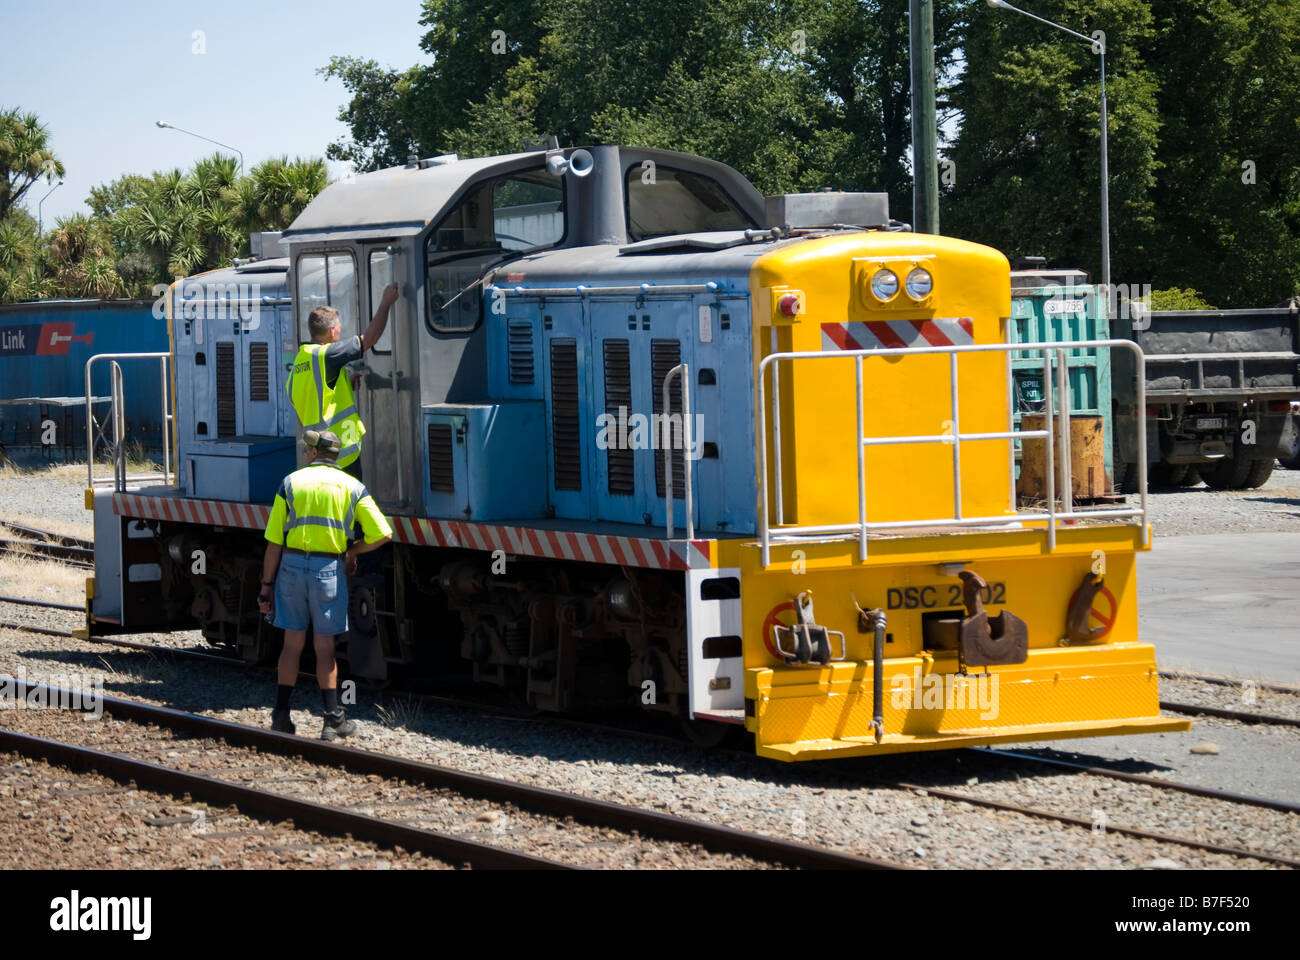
[{"x": 311, "y": 593}]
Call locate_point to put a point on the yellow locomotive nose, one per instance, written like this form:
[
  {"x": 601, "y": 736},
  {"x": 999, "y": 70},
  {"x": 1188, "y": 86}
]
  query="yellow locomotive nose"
[{"x": 945, "y": 617}]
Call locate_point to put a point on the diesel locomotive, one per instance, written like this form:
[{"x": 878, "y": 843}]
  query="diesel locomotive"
[{"x": 650, "y": 438}]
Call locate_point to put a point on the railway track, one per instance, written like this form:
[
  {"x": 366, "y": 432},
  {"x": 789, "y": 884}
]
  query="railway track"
[
  {"x": 537, "y": 800},
  {"x": 75, "y": 556},
  {"x": 47, "y": 536},
  {"x": 955, "y": 796}
]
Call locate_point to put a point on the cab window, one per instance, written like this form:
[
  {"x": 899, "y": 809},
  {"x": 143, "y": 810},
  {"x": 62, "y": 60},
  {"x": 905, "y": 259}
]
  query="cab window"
[
  {"x": 328, "y": 280},
  {"x": 676, "y": 201},
  {"x": 495, "y": 220},
  {"x": 381, "y": 275}
]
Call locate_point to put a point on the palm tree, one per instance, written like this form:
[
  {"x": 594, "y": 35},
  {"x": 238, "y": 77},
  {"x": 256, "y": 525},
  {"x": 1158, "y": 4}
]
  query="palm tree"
[{"x": 25, "y": 157}]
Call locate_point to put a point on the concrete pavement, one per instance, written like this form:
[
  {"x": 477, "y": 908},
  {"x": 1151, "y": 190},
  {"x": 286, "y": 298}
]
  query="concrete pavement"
[{"x": 1224, "y": 603}]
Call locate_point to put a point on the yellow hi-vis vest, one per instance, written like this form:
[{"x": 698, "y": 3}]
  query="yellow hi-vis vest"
[
  {"x": 320, "y": 508},
  {"x": 319, "y": 407}
]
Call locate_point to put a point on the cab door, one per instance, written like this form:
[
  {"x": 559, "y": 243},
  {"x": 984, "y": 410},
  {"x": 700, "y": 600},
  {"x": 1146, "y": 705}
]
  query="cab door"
[{"x": 376, "y": 379}]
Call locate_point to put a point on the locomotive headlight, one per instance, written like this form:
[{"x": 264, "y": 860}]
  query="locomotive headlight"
[
  {"x": 919, "y": 283},
  {"x": 884, "y": 285}
]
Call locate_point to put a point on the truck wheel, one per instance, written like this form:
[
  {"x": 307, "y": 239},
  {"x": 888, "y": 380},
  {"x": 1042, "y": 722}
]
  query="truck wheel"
[
  {"x": 1231, "y": 473},
  {"x": 1260, "y": 471},
  {"x": 1292, "y": 462},
  {"x": 1167, "y": 474},
  {"x": 1126, "y": 477}
]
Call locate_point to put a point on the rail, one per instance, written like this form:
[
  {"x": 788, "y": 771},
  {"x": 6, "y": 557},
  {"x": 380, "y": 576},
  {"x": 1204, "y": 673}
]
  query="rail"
[
  {"x": 1059, "y": 435},
  {"x": 117, "y": 414},
  {"x": 685, "y": 371}
]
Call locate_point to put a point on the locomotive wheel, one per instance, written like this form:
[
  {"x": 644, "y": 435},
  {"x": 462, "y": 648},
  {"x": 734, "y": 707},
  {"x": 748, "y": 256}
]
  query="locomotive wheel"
[{"x": 705, "y": 733}]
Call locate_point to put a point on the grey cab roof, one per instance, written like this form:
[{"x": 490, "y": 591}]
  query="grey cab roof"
[{"x": 401, "y": 201}]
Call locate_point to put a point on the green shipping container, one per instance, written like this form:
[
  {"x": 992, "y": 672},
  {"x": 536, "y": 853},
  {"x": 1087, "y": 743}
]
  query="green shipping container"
[{"x": 1060, "y": 305}]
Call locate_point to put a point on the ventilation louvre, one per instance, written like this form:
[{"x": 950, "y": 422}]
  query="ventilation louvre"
[
  {"x": 664, "y": 355},
  {"x": 618, "y": 401},
  {"x": 566, "y": 432},
  {"x": 519, "y": 348},
  {"x": 259, "y": 373},
  {"x": 226, "y": 389},
  {"x": 442, "y": 471}
]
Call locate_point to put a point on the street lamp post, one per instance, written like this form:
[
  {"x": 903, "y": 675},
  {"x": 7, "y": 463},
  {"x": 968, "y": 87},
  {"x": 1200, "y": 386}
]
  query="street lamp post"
[
  {"x": 1098, "y": 44},
  {"x": 171, "y": 126},
  {"x": 40, "y": 219}
]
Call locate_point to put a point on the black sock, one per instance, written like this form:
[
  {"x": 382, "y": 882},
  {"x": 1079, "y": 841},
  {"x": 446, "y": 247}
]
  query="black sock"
[
  {"x": 282, "y": 695},
  {"x": 331, "y": 697}
]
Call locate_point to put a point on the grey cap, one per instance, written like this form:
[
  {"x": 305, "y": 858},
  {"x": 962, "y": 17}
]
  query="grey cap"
[{"x": 324, "y": 440}]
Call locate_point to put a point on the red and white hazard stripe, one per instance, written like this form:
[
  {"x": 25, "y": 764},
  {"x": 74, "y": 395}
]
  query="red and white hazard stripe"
[
  {"x": 897, "y": 334},
  {"x": 429, "y": 532},
  {"x": 216, "y": 513}
]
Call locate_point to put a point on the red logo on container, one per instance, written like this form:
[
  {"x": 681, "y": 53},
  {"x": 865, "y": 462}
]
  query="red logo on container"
[{"x": 56, "y": 337}]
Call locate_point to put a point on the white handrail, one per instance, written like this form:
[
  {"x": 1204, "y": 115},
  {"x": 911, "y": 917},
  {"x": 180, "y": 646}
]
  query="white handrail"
[
  {"x": 685, "y": 371},
  {"x": 1051, "y": 434},
  {"x": 118, "y": 414}
]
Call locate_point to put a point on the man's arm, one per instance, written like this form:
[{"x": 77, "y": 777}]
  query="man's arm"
[
  {"x": 270, "y": 564},
  {"x": 380, "y": 319},
  {"x": 375, "y": 529}
]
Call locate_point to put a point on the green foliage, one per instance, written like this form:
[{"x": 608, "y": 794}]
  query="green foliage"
[
  {"x": 148, "y": 230},
  {"x": 25, "y": 157},
  {"x": 796, "y": 94},
  {"x": 1176, "y": 299}
]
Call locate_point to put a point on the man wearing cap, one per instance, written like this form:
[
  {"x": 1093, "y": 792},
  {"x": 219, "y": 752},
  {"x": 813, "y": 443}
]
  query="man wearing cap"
[
  {"x": 320, "y": 395},
  {"x": 307, "y": 561}
]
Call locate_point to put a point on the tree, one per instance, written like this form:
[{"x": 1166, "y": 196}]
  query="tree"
[
  {"x": 19, "y": 256},
  {"x": 1027, "y": 156},
  {"x": 25, "y": 157},
  {"x": 797, "y": 94},
  {"x": 1228, "y": 189}
]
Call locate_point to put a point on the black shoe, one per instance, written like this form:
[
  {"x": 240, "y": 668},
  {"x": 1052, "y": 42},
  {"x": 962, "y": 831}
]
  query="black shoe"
[
  {"x": 337, "y": 726},
  {"x": 282, "y": 722}
]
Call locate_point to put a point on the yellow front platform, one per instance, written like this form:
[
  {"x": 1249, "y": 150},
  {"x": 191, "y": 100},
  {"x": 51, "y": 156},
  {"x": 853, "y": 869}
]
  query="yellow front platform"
[{"x": 816, "y": 712}]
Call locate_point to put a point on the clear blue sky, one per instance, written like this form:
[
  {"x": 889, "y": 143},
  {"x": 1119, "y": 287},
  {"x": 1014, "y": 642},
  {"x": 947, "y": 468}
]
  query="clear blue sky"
[{"x": 99, "y": 74}]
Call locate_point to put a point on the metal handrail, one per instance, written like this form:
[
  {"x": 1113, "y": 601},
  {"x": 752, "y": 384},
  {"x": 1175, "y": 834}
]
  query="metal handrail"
[
  {"x": 684, "y": 370},
  {"x": 586, "y": 289},
  {"x": 118, "y": 415},
  {"x": 1060, "y": 433}
]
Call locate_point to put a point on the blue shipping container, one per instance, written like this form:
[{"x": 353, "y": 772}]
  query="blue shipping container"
[{"x": 44, "y": 346}]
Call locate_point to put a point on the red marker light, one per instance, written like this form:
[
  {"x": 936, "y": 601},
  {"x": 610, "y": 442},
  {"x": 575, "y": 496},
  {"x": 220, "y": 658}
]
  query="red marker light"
[{"x": 789, "y": 305}]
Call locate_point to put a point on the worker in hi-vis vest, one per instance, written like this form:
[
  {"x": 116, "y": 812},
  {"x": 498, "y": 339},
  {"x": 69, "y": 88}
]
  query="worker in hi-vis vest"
[
  {"x": 309, "y": 553},
  {"x": 321, "y": 394}
]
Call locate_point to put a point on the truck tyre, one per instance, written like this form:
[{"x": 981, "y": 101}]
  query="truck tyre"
[
  {"x": 1167, "y": 475},
  {"x": 1126, "y": 477},
  {"x": 1260, "y": 471},
  {"x": 1232, "y": 473},
  {"x": 1292, "y": 461}
]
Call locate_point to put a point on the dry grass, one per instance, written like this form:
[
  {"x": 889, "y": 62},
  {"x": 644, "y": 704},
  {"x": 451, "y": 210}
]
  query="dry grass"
[
  {"x": 85, "y": 529},
  {"x": 72, "y": 470},
  {"x": 401, "y": 712},
  {"x": 35, "y": 578}
]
